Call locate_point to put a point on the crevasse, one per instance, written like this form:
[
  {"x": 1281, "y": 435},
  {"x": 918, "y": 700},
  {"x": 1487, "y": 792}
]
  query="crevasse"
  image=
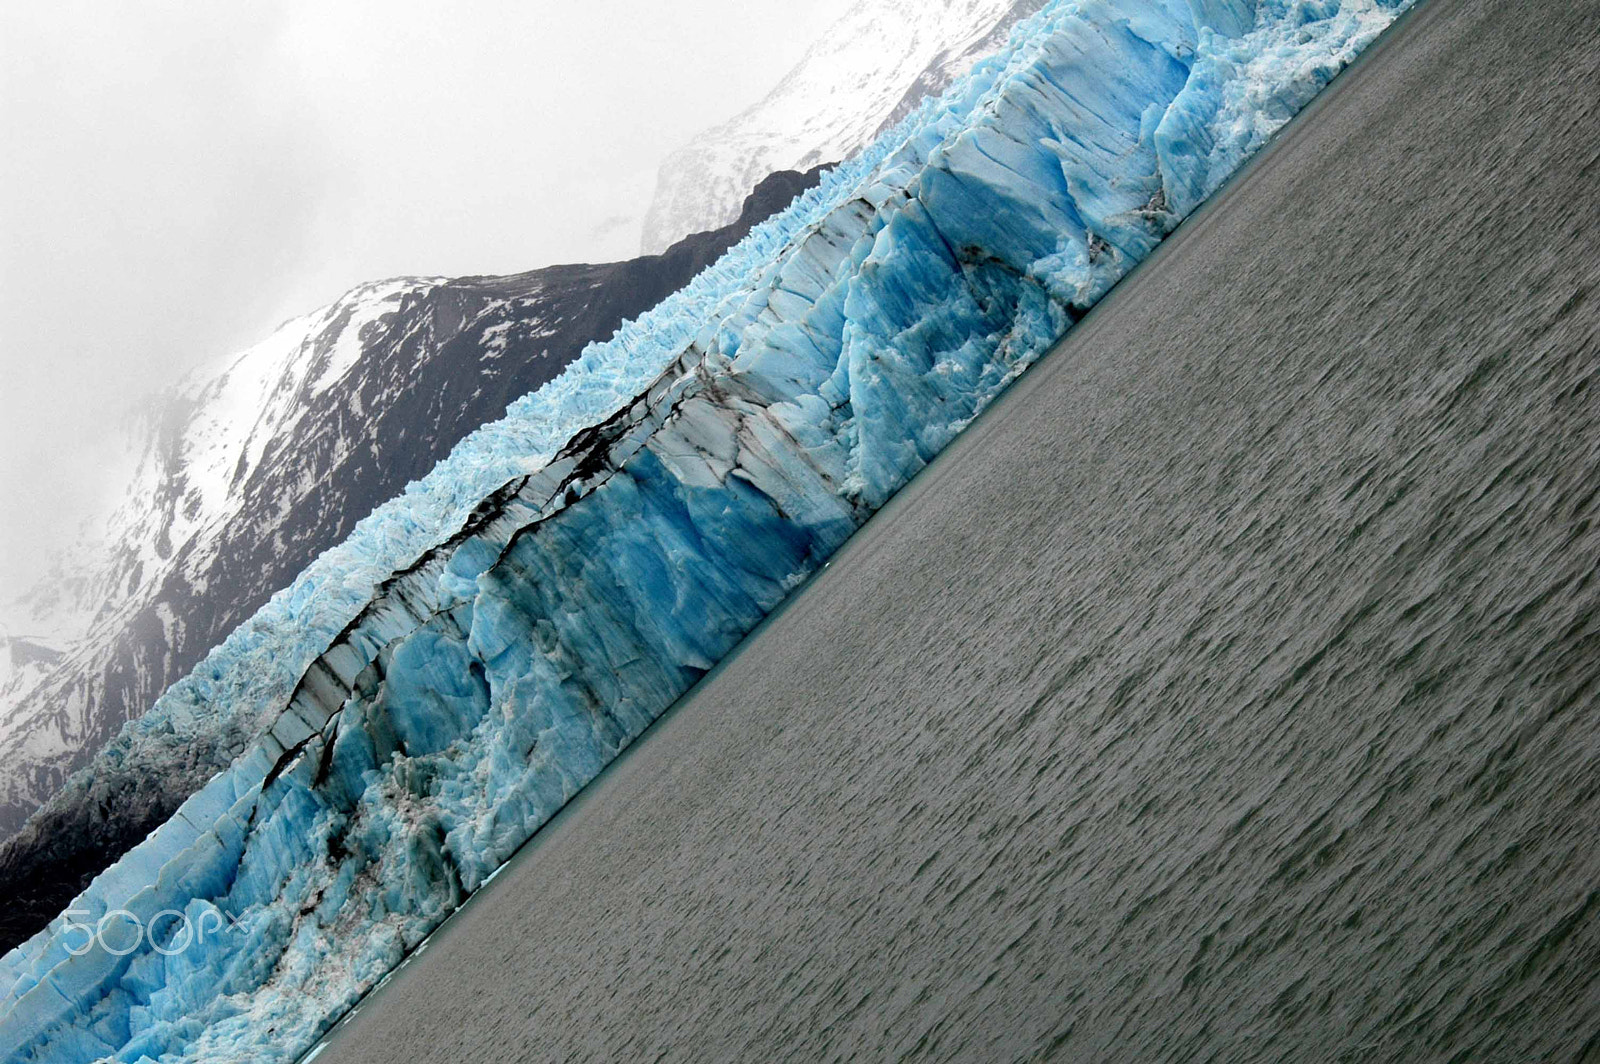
[{"x": 430, "y": 692}]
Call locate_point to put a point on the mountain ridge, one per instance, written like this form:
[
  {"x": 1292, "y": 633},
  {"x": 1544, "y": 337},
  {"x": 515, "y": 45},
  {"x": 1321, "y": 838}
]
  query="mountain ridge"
[{"x": 862, "y": 76}]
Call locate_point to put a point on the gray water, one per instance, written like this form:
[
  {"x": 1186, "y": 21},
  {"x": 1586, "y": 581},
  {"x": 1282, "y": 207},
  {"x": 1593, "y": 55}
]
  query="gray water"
[{"x": 1228, "y": 693}]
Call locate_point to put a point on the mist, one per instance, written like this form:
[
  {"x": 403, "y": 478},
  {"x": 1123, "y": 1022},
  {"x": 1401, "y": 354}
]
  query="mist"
[{"x": 178, "y": 178}]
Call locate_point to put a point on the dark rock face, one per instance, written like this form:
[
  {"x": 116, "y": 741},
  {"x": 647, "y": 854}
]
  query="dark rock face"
[{"x": 448, "y": 358}]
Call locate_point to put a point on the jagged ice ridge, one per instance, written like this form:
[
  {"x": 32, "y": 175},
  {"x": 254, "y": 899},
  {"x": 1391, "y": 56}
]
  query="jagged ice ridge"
[{"x": 428, "y": 694}]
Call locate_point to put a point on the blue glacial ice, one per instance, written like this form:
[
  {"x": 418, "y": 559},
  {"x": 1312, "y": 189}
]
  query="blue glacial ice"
[{"x": 430, "y": 692}]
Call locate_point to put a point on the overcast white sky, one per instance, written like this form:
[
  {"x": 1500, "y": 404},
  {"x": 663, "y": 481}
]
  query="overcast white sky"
[{"x": 178, "y": 177}]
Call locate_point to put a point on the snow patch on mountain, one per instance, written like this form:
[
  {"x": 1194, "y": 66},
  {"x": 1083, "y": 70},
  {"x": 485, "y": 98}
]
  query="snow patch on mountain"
[
  {"x": 865, "y": 73},
  {"x": 199, "y": 442}
]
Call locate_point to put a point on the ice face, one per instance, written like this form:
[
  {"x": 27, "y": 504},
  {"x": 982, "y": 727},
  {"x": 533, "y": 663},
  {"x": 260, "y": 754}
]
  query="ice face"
[
  {"x": 428, "y": 694},
  {"x": 1231, "y": 18}
]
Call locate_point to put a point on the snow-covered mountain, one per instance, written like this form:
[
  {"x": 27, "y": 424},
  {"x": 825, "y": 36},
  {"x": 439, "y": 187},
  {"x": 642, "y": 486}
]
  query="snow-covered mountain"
[
  {"x": 866, "y": 72},
  {"x": 254, "y": 465}
]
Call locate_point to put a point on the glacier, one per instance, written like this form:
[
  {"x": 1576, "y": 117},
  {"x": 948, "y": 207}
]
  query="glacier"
[{"x": 426, "y": 695}]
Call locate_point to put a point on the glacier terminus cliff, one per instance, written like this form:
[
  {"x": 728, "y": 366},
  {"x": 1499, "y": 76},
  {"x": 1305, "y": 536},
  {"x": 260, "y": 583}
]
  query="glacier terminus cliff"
[{"x": 430, "y": 692}]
